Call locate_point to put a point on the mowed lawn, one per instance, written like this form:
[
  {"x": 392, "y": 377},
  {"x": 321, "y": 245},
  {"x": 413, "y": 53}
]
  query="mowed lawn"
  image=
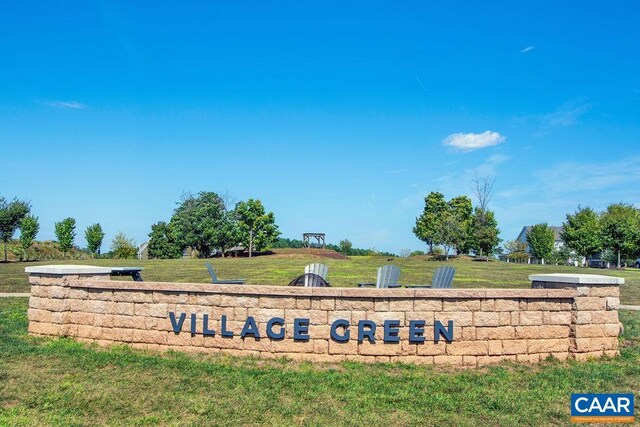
[
  {"x": 60, "y": 382},
  {"x": 281, "y": 269}
]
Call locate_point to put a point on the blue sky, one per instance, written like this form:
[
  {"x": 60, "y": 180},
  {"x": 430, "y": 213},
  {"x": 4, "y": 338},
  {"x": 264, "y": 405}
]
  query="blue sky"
[{"x": 339, "y": 117}]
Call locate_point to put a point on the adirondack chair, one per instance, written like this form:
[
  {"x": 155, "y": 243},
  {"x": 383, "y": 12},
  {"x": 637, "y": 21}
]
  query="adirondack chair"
[
  {"x": 442, "y": 278},
  {"x": 214, "y": 278},
  {"x": 312, "y": 271},
  {"x": 388, "y": 276}
]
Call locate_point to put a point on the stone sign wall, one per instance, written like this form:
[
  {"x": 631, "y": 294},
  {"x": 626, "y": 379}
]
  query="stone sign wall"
[{"x": 565, "y": 316}]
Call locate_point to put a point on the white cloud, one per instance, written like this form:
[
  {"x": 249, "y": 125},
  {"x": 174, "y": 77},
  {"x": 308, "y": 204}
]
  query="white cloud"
[
  {"x": 527, "y": 49},
  {"x": 473, "y": 141},
  {"x": 394, "y": 172},
  {"x": 74, "y": 105}
]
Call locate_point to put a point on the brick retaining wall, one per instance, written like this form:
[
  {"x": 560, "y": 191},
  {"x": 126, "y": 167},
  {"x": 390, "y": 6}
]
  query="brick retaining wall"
[{"x": 565, "y": 319}]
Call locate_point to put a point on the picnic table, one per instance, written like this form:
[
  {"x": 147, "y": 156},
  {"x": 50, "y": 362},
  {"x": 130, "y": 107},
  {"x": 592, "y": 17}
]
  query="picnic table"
[{"x": 134, "y": 272}]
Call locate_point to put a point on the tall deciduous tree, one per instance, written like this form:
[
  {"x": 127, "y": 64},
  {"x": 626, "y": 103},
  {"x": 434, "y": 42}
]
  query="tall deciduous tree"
[
  {"x": 11, "y": 213},
  {"x": 66, "y": 233},
  {"x": 196, "y": 222},
  {"x": 582, "y": 233},
  {"x": 620, "y": 229},
  {"x": 29, "y": 228},
  {"x": 161, "y": 243},
  {"x": 461, "y": 211},
  {"x": 541, "y": 239},
  {"x": 428, "y": 225},
  {"x": 485, "y": 232},
  {"x": 257, "y": 228},
  {"x": 94, "y": 235}
]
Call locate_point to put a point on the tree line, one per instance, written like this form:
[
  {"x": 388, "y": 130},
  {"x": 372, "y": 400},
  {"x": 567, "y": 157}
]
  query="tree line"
[
  {"x": 344, "y": 247},
  {"x": 614, "y": 232},
  {"x": 16, "y": 215},
  {"x": 206, "y": 222}
]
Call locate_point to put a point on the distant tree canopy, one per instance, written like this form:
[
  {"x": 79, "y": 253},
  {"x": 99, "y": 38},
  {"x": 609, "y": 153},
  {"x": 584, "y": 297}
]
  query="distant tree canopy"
[
  {"x": 11, "y": 213},
  {"x": 516, "y": 250},
  {"x": 428, "y": 225},
  {"x": 456, "y": 225},
  {"x": 123, "y": 247},
  {"x": 541, "y": 241},
  {"x": 614, "y": 233},
  {"x": 282, "y": 242},
  {"x": 206, "y": 223},
  {"x": 29, "y": 228},
  {"x": 345, "y": 246},
  {"x": 161, "y": 242},
  {"x": 581, "y": 232},
  {"x": 65, "y": 233},
  {"x": 485, "y": 231},
  {"x": 197, "y": 220},
  {"x": 620, "y": 227},
  {"x": 94, "y": 235},
  {"x": 257, "y": 228}
]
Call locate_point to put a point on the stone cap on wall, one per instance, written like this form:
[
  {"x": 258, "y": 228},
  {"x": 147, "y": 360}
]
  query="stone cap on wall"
[
  {"x": 298, "y": 291},
  {"x": 68, "y": 269},
  {"x": 578, "y": 279}
]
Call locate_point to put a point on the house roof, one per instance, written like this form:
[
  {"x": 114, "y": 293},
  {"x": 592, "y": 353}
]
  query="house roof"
[{"x": 525, "y": 230}]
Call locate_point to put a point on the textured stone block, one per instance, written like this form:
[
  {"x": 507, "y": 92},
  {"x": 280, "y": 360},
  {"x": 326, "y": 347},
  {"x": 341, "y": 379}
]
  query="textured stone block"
[
  {"x": 461, "y": 305},
  {"x": 507, "y": 305},
  {"x": 468, "y": 348},
  {"x": 495, "y": 333},
  {"x": 362, "y": 304},
  {"x": 548, "y": 345},
  {"x": 482, "y": 318},
  {"x": 427, "y": 305},
  {"x": 447, "y": 360},
  {"x": 528, "y": 318},
  {"x": 514, "y": 346}
]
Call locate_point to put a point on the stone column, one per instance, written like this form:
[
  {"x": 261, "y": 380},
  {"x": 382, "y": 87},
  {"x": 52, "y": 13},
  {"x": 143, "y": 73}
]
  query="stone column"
[
  {"x": 52, "y": 300},
  {"x": 595, "y": 326}
]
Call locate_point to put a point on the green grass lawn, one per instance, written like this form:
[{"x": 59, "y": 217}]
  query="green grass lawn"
[
  {"x": 280, "y": 270},
  {"x": 65, "y": 383}
]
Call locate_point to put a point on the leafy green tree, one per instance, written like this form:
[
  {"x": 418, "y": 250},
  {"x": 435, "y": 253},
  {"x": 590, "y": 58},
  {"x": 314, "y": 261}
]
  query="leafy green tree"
[
  {"x": 345, "y": 246},
  {"x": 227, "y": 233},
  {"x": 94, "y": 235},
  {"x": 540, "y": 239},
  {"x": 257, "y": 228},
  {"x": 485, "y": 232},
  {"x": 582, "y": 232},
  {"x": 461, "y": 233},
  {"x": 428, "y": 225},
  {"x": 66, "y": 233},
  {"x": 123, "y": 247},
  {"x": 621, "y": 230},
  {"x": 198, "y": 220},
  {"x": 161, "y": 243},
  {"x": 29, "y": 228},
  {"x": 11, "y": 213}
]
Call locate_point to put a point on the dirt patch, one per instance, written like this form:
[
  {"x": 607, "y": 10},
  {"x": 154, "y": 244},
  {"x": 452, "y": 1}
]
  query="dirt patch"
[{"x": 307, "y": 252}]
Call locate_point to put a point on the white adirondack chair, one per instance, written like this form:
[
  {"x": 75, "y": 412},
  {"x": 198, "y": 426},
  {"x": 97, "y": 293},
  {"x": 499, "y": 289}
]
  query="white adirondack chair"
[
  {"x": 388, "y": 276},
  {"x": 316, "y": 268}
]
